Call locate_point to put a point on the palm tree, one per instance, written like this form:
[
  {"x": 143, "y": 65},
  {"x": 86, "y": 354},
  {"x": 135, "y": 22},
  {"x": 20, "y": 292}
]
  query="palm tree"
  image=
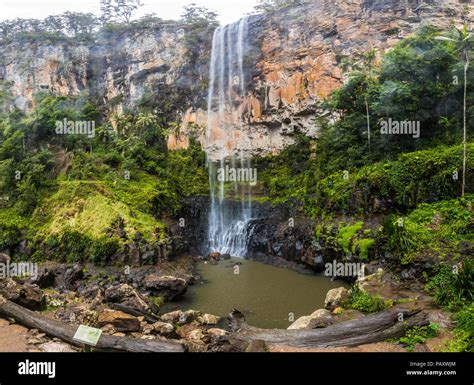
[
  {"x": 463, "y": 40},
  {"x": 145, "y": 120}
]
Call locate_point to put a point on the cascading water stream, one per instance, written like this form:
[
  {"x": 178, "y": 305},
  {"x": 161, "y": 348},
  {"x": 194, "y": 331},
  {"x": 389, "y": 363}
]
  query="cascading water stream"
[{"x": 228, "y": 219}]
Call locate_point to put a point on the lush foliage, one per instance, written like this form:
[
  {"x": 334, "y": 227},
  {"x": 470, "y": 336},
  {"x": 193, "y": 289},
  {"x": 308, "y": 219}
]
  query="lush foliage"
[
  {"x": 464, "y": 331},
  {"x": 453, "y": 287},
  {"x": 67, "y": 192},
  {"x": 418, "y": 335},
  {"x": 365, "y": 302},
  {"x": 419, "y": 80}
]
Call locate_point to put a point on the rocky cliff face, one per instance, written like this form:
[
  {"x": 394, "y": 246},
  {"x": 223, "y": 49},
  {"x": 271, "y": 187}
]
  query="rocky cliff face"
[
  {"x": 293, "y": 63},
  {"x": 121, "y": 68},
  {"x": 300, "y": 52}
]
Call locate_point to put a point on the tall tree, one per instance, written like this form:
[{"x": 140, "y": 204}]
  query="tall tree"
[
  {"x": 194, "y": 14},
  {"x": 118, "y": 10},
  {"x": 271, "y": 5},
  {"x": 463, "y": 40},
  {"x": 363, "y": 69}
]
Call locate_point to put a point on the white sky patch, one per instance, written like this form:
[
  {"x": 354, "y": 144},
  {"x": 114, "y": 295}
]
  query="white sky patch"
[{"x": 228, "y": 10}]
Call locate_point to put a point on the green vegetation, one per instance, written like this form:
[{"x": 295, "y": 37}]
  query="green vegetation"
[
  {"x": 363, "y": 246},
  {"x": 411, "y": 179},
  {"x": 346, "y": 234},
  {"x": 274, "y": 5},
  {"x": 417, "y": 335},
  {"x": 349, "y": 174},
  {"x": 158, "y": 301},
  {"x": 365, "y": 302},
  {"x": 77, "y": 198},
  {"x": 464, "y": 331},
  {"x": 84, "y": 198},
  {"x": 453, "y": 287},
  {"x": 116, "y": 18},
  {"x": 439, "y": 227}
]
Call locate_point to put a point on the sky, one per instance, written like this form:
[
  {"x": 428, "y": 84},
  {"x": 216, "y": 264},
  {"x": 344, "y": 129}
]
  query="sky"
[{"x": 229, "y": 10}]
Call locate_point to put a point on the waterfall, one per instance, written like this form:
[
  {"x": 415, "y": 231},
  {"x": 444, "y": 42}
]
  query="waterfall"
[{"x": 228, "y": 218}]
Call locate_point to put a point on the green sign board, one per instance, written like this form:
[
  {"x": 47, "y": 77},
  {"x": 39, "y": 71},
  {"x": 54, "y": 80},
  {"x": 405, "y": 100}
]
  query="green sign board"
[{"x": 87, "y": 335}]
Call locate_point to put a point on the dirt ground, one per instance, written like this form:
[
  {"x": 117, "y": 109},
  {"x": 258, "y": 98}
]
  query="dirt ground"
[{"x": 13, "y": 338}]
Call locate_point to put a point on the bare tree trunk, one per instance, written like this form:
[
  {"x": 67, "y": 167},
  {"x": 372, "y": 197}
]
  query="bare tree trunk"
[
  {"x": 464, "y": 163},
  {"x": 368, "y": 120},
  {"x": 66, "y": 332},
  {"x": 374, "y": 328}
]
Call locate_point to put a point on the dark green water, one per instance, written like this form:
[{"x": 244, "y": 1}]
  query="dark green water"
[{"x": 265, "y": 294}]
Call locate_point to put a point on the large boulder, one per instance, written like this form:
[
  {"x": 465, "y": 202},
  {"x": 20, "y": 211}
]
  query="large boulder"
[
  {"x": 163, "y": 328},
  {"x": 336, "y": 297},
  {"x": 180, "y": 317},
  {"x": 129, "y": 298},
  {"x": 68, "y": 277},
  {"x": 208, "y": 319},
  {"x": 45, "y": 278},
  {"x": 122, "y": 322},
  {"x": 319, "y": 319},
  {"x": 167, "y": 287},
  {"x": 27, "y": 295}
]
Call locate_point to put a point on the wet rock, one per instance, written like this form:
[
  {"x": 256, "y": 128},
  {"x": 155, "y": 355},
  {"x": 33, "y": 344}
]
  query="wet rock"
[
  {"x": 335, "y": 298},
  {"x": 122, "y": 322},
  {"x": 165, "y": 286},
  {"x": 215, "y": 255}
]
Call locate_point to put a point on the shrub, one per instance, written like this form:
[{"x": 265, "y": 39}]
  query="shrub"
[
  {"x": 11, "y": 225},
  {"x": 453, "y": 287},
  {"x": 363, "y": 246},
  {"x": 464, "y": 331},
  {"x": 346, "y": 234},
  {"x": 365, "y": 302},
  {"x": 10, "y": 236},
  {"x": 101, "y": 250},
  {"x": 417, "y": 335}
]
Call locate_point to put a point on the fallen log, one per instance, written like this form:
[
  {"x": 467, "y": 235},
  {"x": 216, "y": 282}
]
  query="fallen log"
[
  {"x": 65, "y": 332},
  {"x": 370, "y": 329},
  {"x": 150, "y": 318}
]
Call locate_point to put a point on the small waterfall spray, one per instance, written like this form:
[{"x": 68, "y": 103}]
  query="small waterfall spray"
[{"x": 228, "y": 219}]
